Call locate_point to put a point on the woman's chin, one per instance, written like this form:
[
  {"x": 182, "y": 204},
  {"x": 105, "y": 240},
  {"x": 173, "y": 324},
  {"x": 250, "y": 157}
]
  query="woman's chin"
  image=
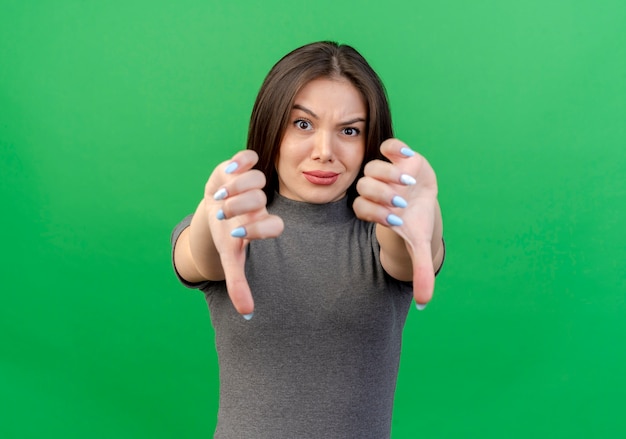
[{"x": 315, "y": 195}]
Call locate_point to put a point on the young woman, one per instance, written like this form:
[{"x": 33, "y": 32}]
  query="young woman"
[{"x": 309, "y": 246}]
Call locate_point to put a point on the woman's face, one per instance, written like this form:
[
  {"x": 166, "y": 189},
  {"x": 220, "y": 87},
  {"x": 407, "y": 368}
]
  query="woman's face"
[{"x": 324, "y": 144}]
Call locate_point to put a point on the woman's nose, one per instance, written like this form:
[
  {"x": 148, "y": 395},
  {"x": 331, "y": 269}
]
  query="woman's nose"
[{"x": 323, "y": 148}]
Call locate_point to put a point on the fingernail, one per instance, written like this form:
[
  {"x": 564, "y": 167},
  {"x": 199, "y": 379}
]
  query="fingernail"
[
  {"x": 232, "y": 167},
  {"x": 420, "y": 306},
  {"x": 398, "y": 201},
  {"x": 407, "y": 179},
  {"x": 220, "y": 195},
  {"x": 406, "y": 151},
  {"x": 239, "y": 232},
  {"x": 248, "y": 316},
  {"x": 394, "y": 220},
  {"x": 220, "y": 215}
]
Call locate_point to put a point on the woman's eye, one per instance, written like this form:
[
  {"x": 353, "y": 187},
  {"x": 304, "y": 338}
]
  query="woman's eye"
[
  {"x": 303, "y": 124},
  {"x": 350, "y": 131}
]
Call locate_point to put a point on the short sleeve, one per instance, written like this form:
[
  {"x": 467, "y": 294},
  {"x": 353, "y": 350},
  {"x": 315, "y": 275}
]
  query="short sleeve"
[
  {"x": 443, "y": 259},
  {"x": 174, "y": 237}
]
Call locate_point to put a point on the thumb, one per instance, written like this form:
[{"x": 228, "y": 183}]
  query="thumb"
[
  {"x": 423, "y": 274},
  {"x": 237, "y": 284}
]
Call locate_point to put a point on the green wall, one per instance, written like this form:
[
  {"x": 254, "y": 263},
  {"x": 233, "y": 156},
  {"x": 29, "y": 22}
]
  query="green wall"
[{"x": 113, "y": 114}]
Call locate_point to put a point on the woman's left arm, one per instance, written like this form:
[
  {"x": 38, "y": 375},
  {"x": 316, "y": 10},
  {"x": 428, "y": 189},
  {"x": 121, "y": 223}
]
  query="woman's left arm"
[{"x": 401, "y": 197}]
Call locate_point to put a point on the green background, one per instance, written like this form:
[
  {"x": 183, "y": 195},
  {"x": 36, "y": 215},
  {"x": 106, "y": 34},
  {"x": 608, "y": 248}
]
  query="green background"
[{"x": 113, "y": 114}]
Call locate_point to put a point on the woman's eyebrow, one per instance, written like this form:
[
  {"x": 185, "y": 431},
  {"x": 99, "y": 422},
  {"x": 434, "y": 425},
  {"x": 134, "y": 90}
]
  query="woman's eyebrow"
[
  {"x": 352, "y": 121},
  {"x": 347, "y": 122},
  {"x": 306, "y": 110}
]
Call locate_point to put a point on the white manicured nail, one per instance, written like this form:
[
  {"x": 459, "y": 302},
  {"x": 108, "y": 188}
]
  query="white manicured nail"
[
  {"x": 407, "y": 180},
  {"x": 220, "y": 194}
]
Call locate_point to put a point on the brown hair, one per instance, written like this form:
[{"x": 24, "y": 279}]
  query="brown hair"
[{"x": 270, "y": 115}]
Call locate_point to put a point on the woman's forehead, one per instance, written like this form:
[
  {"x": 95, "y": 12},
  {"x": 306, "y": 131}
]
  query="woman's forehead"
[{"x": 338, "y": 94}]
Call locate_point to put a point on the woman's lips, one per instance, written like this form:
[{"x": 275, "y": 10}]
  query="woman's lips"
[{"x": 321, "y": 177}]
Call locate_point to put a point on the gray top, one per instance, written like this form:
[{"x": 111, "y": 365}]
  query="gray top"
[{"x": 320, "y": 357}]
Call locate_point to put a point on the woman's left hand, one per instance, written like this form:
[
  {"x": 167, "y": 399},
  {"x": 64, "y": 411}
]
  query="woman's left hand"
[{"x": 401, "y": 196}]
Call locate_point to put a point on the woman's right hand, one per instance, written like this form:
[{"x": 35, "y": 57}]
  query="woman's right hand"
[{"x": 236, "y": 211}]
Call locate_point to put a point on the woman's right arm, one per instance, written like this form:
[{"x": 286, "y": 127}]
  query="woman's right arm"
[
  {"x": 232, "y": 213},
  {"x": 195, "y": 257}
]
